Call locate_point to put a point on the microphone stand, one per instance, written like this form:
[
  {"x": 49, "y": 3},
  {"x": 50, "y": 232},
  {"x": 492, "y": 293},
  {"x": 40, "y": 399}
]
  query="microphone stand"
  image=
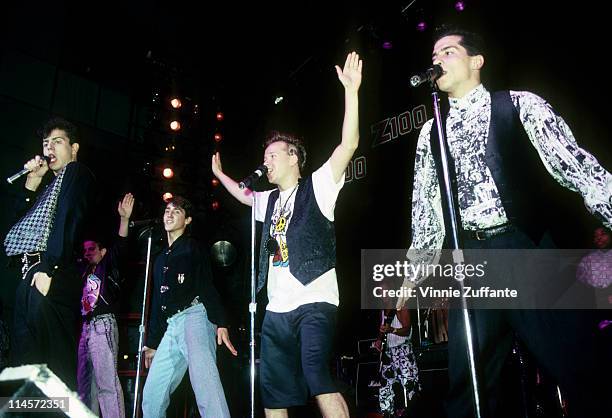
[
  {"x": 141, "y": 328},
  {"x": 454, "y": 239},
  {"x": 252, "y": 310}
]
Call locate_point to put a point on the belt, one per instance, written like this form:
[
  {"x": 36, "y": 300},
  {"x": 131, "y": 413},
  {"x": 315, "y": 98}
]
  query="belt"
[
  {"x": 89, "y": 319},
  {"x": 28, "y": 261},
  {"x": 193, "y": 303},
  {"x": 488, "y": 233}
]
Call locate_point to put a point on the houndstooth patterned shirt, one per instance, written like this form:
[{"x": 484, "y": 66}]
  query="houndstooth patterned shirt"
[{"x": 30, "y": 233}]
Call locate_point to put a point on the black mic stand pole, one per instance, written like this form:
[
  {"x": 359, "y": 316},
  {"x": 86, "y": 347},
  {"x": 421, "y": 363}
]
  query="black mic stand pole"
[
  {"x": 252, "y": 310},
  {"x": 454, "y": 239},
  {"x": 141, "y": 328}
]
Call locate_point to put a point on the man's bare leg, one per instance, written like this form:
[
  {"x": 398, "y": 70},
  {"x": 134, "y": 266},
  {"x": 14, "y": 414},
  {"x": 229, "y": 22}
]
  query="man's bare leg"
[
  {"x": 332, "y": 405},
  {"x": 276, "y": 413}
]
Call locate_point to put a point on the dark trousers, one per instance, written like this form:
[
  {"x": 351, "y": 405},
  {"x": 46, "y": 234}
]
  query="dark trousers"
[
  {"x": 45, "y": 331},
  {"x": 562, "y": 342}
]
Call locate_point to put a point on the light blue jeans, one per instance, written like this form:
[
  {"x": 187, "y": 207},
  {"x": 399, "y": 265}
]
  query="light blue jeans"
[
  {"x": 189, "y": 342},
  {"x": 99, "y": 386}
]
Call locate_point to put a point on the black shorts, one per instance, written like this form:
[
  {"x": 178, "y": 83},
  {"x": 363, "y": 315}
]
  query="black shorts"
[{"x": 296, "y": 349}]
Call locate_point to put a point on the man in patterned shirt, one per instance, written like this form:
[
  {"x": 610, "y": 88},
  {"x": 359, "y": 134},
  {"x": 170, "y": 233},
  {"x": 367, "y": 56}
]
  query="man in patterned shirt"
[
  {"x": 596, "y": 268},
  {"x": 504, "y": 147}
]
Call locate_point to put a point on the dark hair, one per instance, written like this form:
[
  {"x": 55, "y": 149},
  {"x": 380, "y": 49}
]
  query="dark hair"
[
  {"x": 471, "y": 41},
  {"x": 98, "y": 242},
  {"x": 72, "y": 132},
  {"x": 181, "y": 203},
  {"x": 295, "y": 145}
]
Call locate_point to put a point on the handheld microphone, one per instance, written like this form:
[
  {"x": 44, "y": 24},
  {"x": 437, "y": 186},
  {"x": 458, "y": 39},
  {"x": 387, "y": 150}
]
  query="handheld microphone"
[
  {"x": 252, "y": 179},
  {"x": 431, "y": 75},
  {"x": 23, "y": 172}
]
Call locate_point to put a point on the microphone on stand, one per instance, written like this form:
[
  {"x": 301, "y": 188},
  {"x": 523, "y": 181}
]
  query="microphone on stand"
[
  {"x": 252, "y": 179},
  {"x": 24, "y": 171},
  {"x": 144, "y": 222},
  {"x": 431, "y": 75}
]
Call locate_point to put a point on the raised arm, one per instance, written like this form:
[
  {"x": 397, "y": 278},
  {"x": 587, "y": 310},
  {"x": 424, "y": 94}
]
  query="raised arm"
[
  {"x": 350, "y": 77},
  {"x": 242, "y": 195},
  {"x": 124, "y": 208}
]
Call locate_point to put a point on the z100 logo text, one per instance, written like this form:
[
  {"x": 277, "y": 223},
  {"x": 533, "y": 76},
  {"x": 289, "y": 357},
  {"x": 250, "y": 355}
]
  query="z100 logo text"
[
  {"x": 391, "y": 128},
  {"x": 356, "y": 169}
]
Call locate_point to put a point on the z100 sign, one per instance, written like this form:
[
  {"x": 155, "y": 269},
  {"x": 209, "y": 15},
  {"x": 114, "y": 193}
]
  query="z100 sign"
[
  {"x": 392, "y": 128},
  {"x": 384, "y": 131}
]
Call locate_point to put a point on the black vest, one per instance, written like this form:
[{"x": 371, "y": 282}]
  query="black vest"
[
  {"x": 311, "y": 238},
  {"x": 523, "y": 183}
]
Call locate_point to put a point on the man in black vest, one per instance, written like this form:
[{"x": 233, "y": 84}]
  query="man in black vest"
[
  {"x": 504, "y": 147},
  {"x": 298, "y": 256}
]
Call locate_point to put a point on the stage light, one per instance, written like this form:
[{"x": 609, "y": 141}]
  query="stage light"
[
  {"x": 220, "y": 116},
  {"x": 387, "y": 45},
  {"x": 218, "y": 137},
  {"x": 168, "y": 173},
  {"x": 223, "y": 253},
  {"x": 460, "y": 6},
  {"x": 214, "y": 182},
  {"x": 167, "y": 196},
  {"x": 147, "y": 168},
  {"x": 196, "y": 110},
  {"x": 278, "y": 99},
  {"x": 155, "y": 95},
  {"x": 421, "y": 19},
  {"x": 215, "y": 205},
  {"x": 175, "y": 125},
  {"x": 176, "y": 103}
]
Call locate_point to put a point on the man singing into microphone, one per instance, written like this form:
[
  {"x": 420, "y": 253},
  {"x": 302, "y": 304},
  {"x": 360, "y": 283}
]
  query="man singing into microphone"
[
  {"x": 298, "y": 250},
  {"x": 506, "y": 147},
  {"x": 45, "y": 241}
]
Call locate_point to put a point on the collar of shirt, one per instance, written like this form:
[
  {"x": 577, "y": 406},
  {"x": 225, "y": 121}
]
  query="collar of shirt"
[
  {"x": 473, "y": 99},
  {"x": 177, "y": 243}
]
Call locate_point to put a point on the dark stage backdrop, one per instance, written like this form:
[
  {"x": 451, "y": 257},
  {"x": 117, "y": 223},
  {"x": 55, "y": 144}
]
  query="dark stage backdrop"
[{"x": 552, "y": 50}]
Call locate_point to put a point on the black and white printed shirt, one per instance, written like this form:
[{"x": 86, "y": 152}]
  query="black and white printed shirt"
[{"x": 467, "y": 128}]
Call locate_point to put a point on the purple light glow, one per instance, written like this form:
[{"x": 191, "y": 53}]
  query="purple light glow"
[
  {"x": 421, "y": 26},
  {"x": 387, "y": 45},
  {"x": 459, "y": 6}
]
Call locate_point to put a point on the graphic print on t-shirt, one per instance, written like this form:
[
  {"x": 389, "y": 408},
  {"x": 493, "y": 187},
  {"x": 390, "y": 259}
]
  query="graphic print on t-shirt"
[
  {"x": 91, "y": 292},
  {"x": 278, "y": 230}
]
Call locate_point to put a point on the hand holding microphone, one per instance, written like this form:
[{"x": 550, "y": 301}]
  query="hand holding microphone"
[{"x": 36, "y": 168}]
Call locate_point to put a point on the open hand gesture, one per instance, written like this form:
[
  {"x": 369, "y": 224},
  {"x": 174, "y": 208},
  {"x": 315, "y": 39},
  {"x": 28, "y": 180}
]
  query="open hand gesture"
[
  {"x": 350, "y": 75},
  {"x": 125, "y": 206}
]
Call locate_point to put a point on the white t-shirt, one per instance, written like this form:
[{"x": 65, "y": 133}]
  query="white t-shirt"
[{"x": 285, "y": 292}]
